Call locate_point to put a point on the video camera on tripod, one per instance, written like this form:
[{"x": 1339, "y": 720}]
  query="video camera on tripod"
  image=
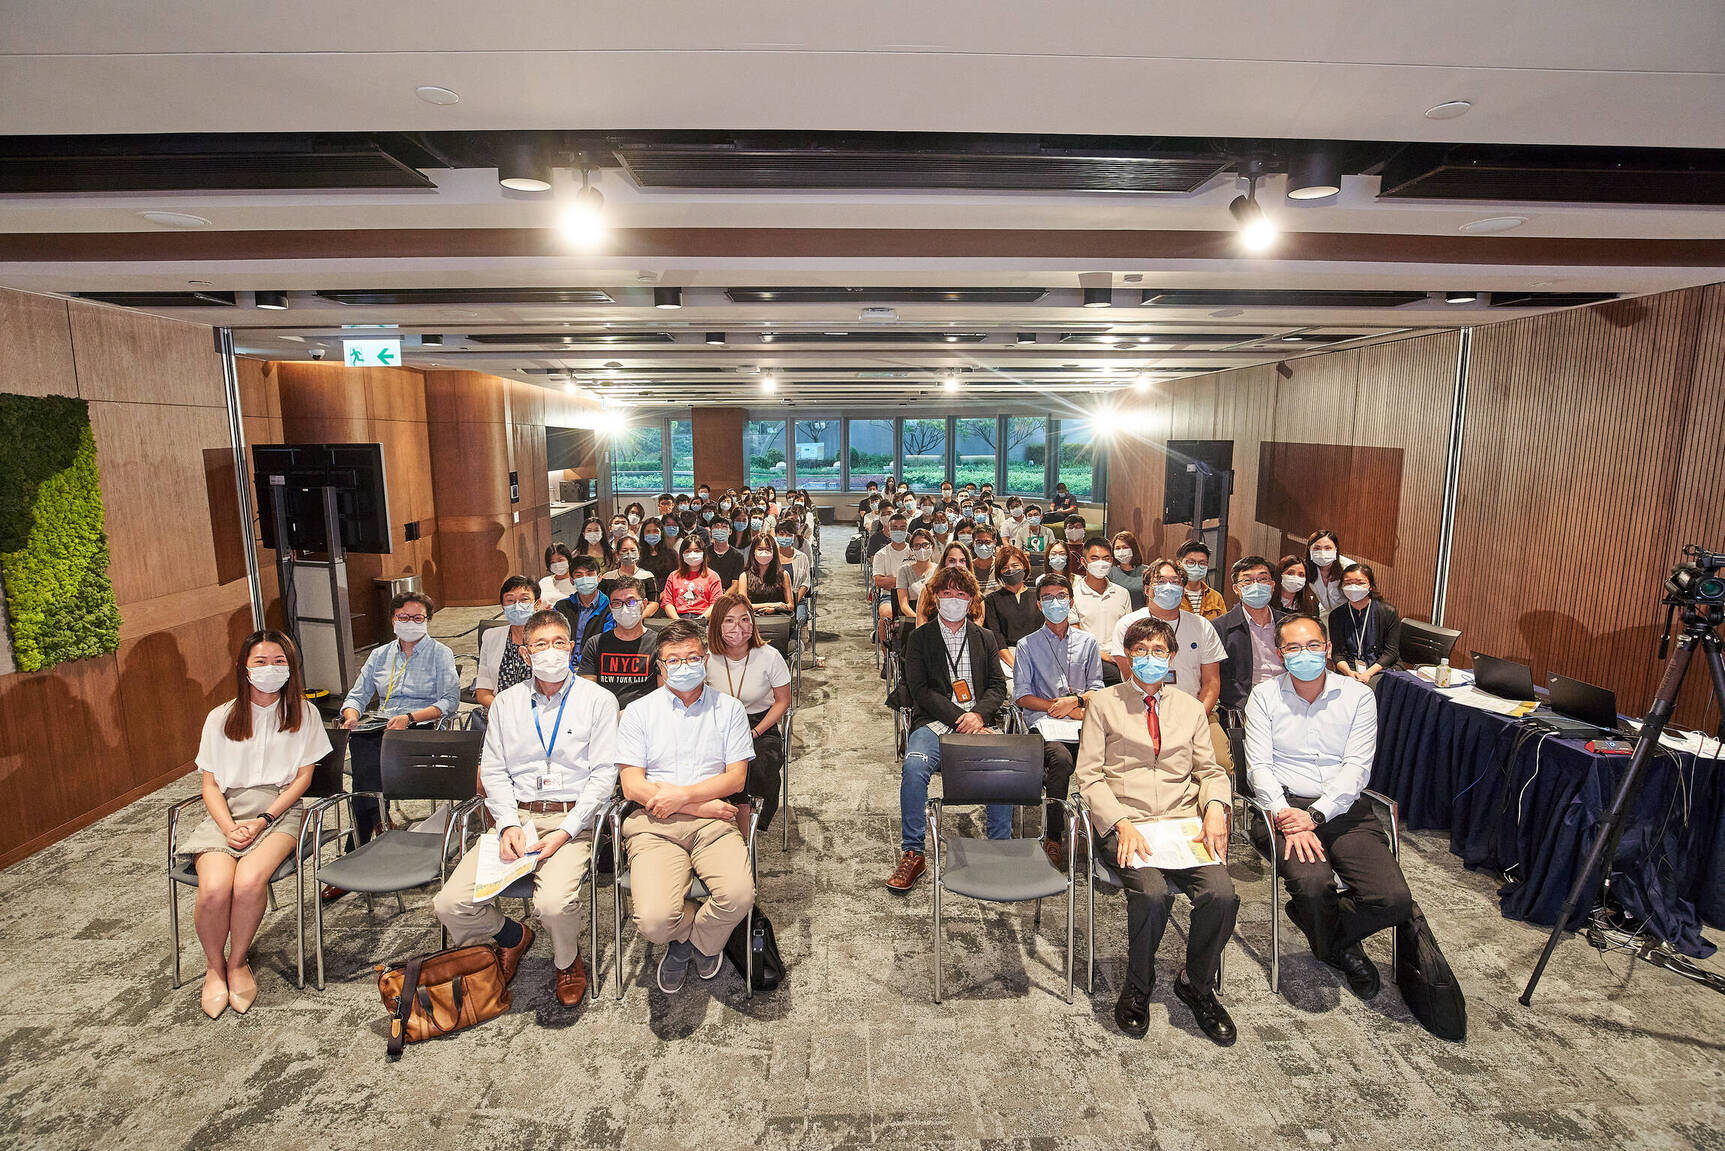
[{"x": 1697, "y": 582}]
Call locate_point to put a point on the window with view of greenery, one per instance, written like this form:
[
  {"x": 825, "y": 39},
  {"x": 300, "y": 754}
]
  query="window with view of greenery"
[
  {"x": 871, "y": 451},
  {"x": 682, "y": 456},
  {"x": 973, "y": 462},
  {"x": 764, "y": 452},
  {"x": 1026, "y": 452},
  {"x": 817, "y": 455},
  {"x": 638, "y": 459},
  {"x": 1077, "y": 465},
  {"x": 924, "y": 453}
]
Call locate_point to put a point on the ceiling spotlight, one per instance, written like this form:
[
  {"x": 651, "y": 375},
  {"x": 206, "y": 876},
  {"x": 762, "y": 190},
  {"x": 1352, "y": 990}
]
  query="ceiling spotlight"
[
  {"x": 1141, "y": 382},
  {"x": 431, "y": 340},
  {"x": 583, "y": 221},
  {"x": 433, "y": 94},
  {"x": 1098, "y": 297},
  {"x": 1256, "y": 230},
  {"x": 271, "y": 301},
  {"x": 570, "y": 387},
  {"x": 1492, "y": 225},
  {"x": 174, "y": 219},
  {"x": 716, "y": 339},
  {"x": 667, "y": 298},
  {"x": 950, "y": 382},
  {"x": 1025, "y": 338},
  {"x": 1448, "y": 110},
  {"x": 766, "y": 337},
  {"x": 769, "y": 384},
  {"x": 1460, "y": 297},
  {"x": 1314, "y": 174},
  {"x": 524, "y": 168}
]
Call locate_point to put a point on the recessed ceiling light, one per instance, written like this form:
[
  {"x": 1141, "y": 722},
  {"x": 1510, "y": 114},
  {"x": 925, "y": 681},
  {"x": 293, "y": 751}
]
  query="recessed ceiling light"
[
  {"x": 174, "y": 219},
  {"x": 271, "y": 301},
  {"x": 1448, "y": 110},
  {"x": 668, "y": 298},
  {"x": 950, "y": 383},
  {"x": 1492, "y": 225},
  {"x": 432, "y": 94},
  {"x": 769, "y": 384},
  {"x": 1098, "y": 297},
  {"x": 716, "y": 339},
  {"x": 1227, "y": 313},
  {"x": 1460, "y": 297}
]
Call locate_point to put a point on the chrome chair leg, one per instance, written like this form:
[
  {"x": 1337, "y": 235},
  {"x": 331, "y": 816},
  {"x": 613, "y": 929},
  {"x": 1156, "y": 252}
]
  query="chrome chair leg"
[{"x": 174, "y": 926}]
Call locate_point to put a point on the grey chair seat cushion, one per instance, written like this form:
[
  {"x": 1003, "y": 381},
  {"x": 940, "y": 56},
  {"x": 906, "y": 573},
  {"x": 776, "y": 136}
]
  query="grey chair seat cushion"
[
  {"x": 521, "y": 889},
  {"x": 1000, "y": 870},
  {"x": 697, "y": 889},
  {"x": 185, "y": 870},
  {"x": 394, "y": 861}
]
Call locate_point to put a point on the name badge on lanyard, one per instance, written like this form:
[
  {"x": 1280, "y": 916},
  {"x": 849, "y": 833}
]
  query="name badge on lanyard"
[{"x": 544, "y": 779}]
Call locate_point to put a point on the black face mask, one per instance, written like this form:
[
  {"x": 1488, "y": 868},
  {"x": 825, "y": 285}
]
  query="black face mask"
[{"x": 1012, "y": 578}]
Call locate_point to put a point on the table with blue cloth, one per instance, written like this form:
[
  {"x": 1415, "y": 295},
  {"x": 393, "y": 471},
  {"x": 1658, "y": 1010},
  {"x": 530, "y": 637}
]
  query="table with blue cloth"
[{"x": 1528, "y": 807}]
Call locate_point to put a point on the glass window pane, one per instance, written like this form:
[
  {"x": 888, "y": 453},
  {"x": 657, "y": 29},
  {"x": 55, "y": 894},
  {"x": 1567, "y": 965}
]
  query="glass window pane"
[
  {"x": 871, "y": 452},
  {"x": 638, "y": 460},
  {"x": 1077, "y": 467},
  {"x": 764, "y": 452},
  {"x": 818, "y": 455},
  {"x": 1026, "y": 452},
  {"x": 924, "y": 453},
  {"x": 682, "y": 456},
  {"x": 974, "y": 462}
]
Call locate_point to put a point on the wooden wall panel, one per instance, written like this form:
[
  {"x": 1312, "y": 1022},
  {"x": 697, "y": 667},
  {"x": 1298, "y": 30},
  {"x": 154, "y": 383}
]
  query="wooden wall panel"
[
  {"x": 319, "y": 393},
  {"x": 1698, "y": 504},
  {"x": 169, "y": 681},
  {"x": 128, "y": 357},
  {"x": 54, "y": 726},
  {"x": 35, "y": 346},
  {"x": 718, "y": 436},
  {"x": 1315, "y": 398},
  {"x": 260, "y": 392}
]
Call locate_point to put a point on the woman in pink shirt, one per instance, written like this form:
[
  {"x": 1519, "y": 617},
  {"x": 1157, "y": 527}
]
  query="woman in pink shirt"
[{"x": 691, "y": 589}]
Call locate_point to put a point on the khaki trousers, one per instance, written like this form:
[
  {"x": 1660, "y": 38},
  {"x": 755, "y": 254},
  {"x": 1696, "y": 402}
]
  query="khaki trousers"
[
  {"x": 556, "y": 895},
  {"x": 1224, "y": 752},
  {"x": 663, "y": 853}
]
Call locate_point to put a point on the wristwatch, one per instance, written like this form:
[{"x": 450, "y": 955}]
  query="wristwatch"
[
  {"x": 269, "y": 820},
  {"x": 1317, "y": 817}
]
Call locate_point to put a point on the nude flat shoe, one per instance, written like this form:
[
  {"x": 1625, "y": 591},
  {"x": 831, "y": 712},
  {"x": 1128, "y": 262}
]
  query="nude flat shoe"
[
  {"x": 214, "y": 998},
  {"x": 242, "y": 989}
]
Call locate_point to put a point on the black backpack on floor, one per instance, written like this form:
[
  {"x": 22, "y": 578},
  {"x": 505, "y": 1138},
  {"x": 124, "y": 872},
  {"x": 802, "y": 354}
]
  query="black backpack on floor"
[
  {"x": 757, "y": 931},
  {"x": 854, "y": 549},
  {"x": 1427, "y": 984}
]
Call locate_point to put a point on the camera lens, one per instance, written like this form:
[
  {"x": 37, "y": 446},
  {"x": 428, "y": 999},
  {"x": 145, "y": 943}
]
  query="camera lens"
[{"x": 1710, "y": 590}]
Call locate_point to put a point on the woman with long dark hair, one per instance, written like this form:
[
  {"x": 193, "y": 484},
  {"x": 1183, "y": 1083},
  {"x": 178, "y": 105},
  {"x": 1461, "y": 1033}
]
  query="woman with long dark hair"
[
  {"x": 256, "y": 759},
  {"x": 691, "y": 589},
  {"x": 765, "y": 583},
  {"x": 1366, "y": 632},
  {"x": 1325, "y": 564}
]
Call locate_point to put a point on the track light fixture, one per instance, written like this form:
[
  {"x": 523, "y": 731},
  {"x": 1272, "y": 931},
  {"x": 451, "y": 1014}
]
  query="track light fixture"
[
  {"x": 716, "y": 339},
  {"x": 667, "y": 298},
  {"x": 431, "y": 340},
  {"x": 950, "y": 381},
  {"x": 1314, "y": 173},
  {"x": 1460, "y": 297},
  {"x": 272, "y": 301},
  {"x": 523, "y": 168},
  {"x": 1098, "y": 297},
  {"x": 1256, "y": 230},
  {"x": 584, "y": 220},
  {"x": 769, "y": 384}
]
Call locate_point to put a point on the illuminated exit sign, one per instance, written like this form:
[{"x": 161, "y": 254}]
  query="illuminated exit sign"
[{"x": 371, "y": 353}]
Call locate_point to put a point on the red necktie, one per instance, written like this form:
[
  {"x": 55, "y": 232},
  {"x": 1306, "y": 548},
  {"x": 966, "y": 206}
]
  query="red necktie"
[{"x": 1153, "y": 723}]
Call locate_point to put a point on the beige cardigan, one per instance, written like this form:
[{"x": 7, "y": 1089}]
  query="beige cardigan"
[{"x": 1118, "y": 772}]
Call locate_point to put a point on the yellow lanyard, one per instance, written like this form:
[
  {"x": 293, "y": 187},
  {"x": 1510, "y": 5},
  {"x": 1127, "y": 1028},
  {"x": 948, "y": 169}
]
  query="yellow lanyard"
[{"x": 389, "y": 690}]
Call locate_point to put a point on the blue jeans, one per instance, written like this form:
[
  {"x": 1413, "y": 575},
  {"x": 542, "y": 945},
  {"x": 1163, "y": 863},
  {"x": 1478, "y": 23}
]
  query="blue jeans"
[{"x": 921, "y": 761}]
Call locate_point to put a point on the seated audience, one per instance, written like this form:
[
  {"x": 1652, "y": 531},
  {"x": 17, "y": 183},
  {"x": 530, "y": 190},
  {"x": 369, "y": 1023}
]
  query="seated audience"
[
  {"x": 794, "y": 559},
  {"x": 1099, "y": 604},
  {"x": 255, "y": 758},
  {"x": 1366, "y": 633},
  {"x": 1145, "y": 755},
  {"x": 1059, "y": 559},
  {"x": 1054, "y": 670},
  {"x": 620, "y": 660},
  {"x": 1324, "y": 566},
  {"x": 1009, "y": 611},
  {"x": 1248, "y": 635},
  {"x": 982, "y": 548},
  {"x": 593, "y": 543},
  {"x": 724, "y": 560},
  {"x": 558, "y": 781},
  {"x": 1201, "y": 598},
  {"x": 913, "y": 575},
  {"x": 558, "y": 584},
  {"x": 1030, "y": 535},
  {"x": 629, "y": 564},
  {"x": 1311, "y": 736},
  {"x": 884, "y": 568},
  {"x": 501, "y": 664},
  {"x": 748, "y": 669},
  {"x": 1063, "y": 501},
  {"x": 1293, "y": 593},
  {"x": 766, "y": 583},
  {"x": 1075, "y": 530},
  {"x": 658, "y": 553},
  {"x": 1128, "y": 569},
  {"x": 691, "y": 589},
  {"x": 952, "y": 671},
  {"x": 680, "y": 750},
  {"x": 589, "y": 609},
  {"x": 1198, "y": 653}
]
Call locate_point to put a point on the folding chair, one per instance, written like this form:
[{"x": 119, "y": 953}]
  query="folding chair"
[
  {"x": 997, "y": 769},
  {"x": 326, "y": 787}
]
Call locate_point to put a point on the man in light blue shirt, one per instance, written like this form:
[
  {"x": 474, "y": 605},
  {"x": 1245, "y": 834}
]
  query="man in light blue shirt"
[{"x": 1054, "y": 670}]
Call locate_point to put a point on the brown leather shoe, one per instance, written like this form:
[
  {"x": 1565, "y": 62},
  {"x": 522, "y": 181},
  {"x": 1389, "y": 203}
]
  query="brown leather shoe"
[
  {"x": 571, "y": 983},
  {"x": 1056, "y": 853},
  {"x": 910, "y": 867},
  {"x": 511, "y": 956},
  {"x": 331, "y": 893}
]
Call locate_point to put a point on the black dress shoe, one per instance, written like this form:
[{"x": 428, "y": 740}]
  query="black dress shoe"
[
  {"x": 1132, "y": 1011},
  {"x": 1212, "y": 1017},
  {"x": 1360, "y": 972}
]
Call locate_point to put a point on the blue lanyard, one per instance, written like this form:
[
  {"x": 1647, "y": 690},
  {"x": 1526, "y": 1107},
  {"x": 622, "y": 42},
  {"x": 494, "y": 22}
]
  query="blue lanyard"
[{"x": 556, "y": 730}]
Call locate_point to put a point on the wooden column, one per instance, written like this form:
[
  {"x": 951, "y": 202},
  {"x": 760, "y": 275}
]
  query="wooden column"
[{"x": 718, "y": 434}]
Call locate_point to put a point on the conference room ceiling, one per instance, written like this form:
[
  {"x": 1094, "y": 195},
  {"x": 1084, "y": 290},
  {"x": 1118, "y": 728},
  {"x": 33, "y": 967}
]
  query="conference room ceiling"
[{"x": 794, "y": 167}]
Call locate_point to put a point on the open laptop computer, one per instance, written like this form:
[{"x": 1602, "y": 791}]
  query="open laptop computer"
[
  {"x": 1579, "y": 710},
  {"x": 1503, "y": 678}
]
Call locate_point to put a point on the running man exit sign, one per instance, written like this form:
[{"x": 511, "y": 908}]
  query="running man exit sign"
[{"x": 371, "y": 353}]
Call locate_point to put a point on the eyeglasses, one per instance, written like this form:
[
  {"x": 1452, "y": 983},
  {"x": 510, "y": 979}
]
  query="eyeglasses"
[
  {"x": 1158, "y": 652},
  {"x": 561, "y": 643},
  {"x": 1316, "y": 647},
  {"x": 1061, "y": 598},
  {"x": 684, "y": 661},
  {"x": 1168, "y": 583},
  {"x": 412, "y": 619},
  {"x": 1248, "y": 581}
]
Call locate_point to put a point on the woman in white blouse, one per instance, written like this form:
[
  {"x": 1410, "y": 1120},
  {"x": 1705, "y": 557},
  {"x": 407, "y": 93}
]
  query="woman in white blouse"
[
  {"x": 743, "y": 665},
  {"x": 256, "y": 755},
  {"x": 559, "y": 584}
]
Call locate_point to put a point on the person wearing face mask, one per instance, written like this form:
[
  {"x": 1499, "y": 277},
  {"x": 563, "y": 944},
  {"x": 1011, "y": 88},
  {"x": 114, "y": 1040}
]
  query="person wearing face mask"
[
  {"x": 1325, "y": 564},
  {"x": 1145, "y": 754},
  {"x": 1055, "y": 668},
  {"x": 501, "y": 664},
  {"x": 1201, "y": 598},
  {"x": 558, "y": 584},
  {"x": 1366, "y": 634},
  {"x": 1099, "y": 604},
  {"x": 1059, "y": 559},
  {"x": 550, "y": 758},
  {"x": 410, "y": 682},
  {"x": 1128, "y": 569},
  {"x": 1010, "y": 610},
  {"x": 1075, "y": 530},
  {"x": 793, "y": 560},
  {"x": 1029, "y": 533},
  {"x": 954, "y": 555},
  {"x": 748, "y": 669},
  {"x": 619, "y": 529},
  {"x": 1293, "y": 587},
  {"x": 744, "y": 530},
  {"x": 594, "y": 543},
  {"x": 941, "y": 528},
  {"x": 913, "y": 575},
  {"x": 725, "y": 558},
  {"x": 1311, "y": 739},
  {"x": 634, "y": 515},
  {"x": 621, "y": 660},
  {"x": 255, "y": 758},
  {"x": 691, "y": 589},
  {"x": 629, "y": 563},
  {"x": 681, "y": 750},
  {"x": 1248, "y": 635},
  {"x": 1198, "y": 654},
  {"x": 884, "y": 568},
  {"x": 982, "y": 551},
  {"x": 589, "y": 609},
  {"x": 658, "y": 552},
  {"x": 1063, "y": 501},
  {"x": 765, "y": 583},
  {"x": 952, "y": 672},
  {"x": 685, "y": 518}
]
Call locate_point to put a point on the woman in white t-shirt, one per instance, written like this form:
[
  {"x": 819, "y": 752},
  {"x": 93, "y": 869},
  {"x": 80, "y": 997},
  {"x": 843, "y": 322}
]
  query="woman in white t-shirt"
[
  {"x": 256, "y": 756},
  {"x": 743, "y": 665},
  {"x": 559, "y": 585}
]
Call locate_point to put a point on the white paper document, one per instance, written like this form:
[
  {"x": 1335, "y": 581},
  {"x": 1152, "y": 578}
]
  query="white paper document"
[
  {"x": 493, "y": 874},
  {"x": 1485, "y": 701},
  {"x": 1060, "y": 730},
  {"x": 1173, "y": 844}
]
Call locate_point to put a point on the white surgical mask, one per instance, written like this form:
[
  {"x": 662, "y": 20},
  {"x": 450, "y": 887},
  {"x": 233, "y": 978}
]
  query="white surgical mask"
[
  {"x": 1123, "y": 555},
  {"x": 764, "y": 557},
  {"x": 1057, "y": 561},
  {"x": 626, "y": 614},
  {"x": 1099, "y": 569},
  {"x": 409, "y": 632},
  {"x": 693, "y": 559},
  {"x": 1323, "y": 557},
  {"x": 634, "y": 519},
  {"x": 953, "y": 610},
  {"x": 1293, "y": 583},
  {"x": 1167, "y": 596},
  {"x": 1356, "y": 591},
  {"x": 628, "y": 559},
  {"x": 551, "y": 665},
  {"x": 271, "y": 677},
  {"x": 1074, "y": 535},
  {"x": 559, "y": 567},
  {"x": 591, "y": 535},
  {"x": 921, "y": 555}
]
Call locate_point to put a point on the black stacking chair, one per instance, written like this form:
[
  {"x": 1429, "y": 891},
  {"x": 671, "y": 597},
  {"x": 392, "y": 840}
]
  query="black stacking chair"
[
  {"x": 325, "y": 786},
  {"x": 442, "y": 766},
  {"x": 1423, "y": 643},
  {"x": 485, "y": 625},
  {"x": 1000, "y": 769}
]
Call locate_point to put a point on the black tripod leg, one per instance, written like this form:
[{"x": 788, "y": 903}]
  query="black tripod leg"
[
  {"x": 1716, "y": 665},
  {"x": 1664, "y": 702}
]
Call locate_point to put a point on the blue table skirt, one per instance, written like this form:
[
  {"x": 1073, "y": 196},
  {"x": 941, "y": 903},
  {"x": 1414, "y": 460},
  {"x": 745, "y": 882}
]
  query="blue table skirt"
[{"x": 1533, "y": 819}]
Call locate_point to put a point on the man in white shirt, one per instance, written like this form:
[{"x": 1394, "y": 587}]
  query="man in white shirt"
[
  {"x": 1311, "y": 736},
  {"x": 1099, "y": 604},
  {"x": 680, "y": 751},
  {"x": 1198, "y": 655},
  {"x": 885, "y": 567},
  {"x": 550, "y": 757}
]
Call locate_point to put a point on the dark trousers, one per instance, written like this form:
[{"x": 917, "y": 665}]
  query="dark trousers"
[
  {"x": 364, "y": 750},
  {"x": 1110, "y": 673},
  {"x": 766, "y": 769},
  {"x": 1357, "y": 848},
  {"x": 1148, "y": 902},
  {"x": 1057, "y": 781}
]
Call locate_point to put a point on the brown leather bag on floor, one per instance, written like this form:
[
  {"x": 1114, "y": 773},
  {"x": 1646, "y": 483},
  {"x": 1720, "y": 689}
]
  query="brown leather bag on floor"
[{"x": 441, "y": 993}]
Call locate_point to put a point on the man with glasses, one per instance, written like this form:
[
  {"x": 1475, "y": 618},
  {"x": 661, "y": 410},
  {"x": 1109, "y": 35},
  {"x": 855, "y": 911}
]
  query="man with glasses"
[
  {"x": 1145, "y": 755},
  {"x": 1248, "y": 635},
  {"x": 1055, "y": 670},
  {"x": 1099, "y": 604},
  {"x": 549, "y": 759},
  {"x": 621, "y": 660},
  {"x": 1311, "y": 736},
  {"x": 1198, "y": 653},
  {"x": 680, "y": 750}
]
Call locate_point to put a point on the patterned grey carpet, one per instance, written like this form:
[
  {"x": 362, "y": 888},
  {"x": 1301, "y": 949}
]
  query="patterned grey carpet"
[{"x": 97, "y": 1049}]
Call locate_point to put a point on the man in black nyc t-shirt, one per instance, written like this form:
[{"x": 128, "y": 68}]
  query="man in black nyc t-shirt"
[{"x": 621, "y": 660}]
